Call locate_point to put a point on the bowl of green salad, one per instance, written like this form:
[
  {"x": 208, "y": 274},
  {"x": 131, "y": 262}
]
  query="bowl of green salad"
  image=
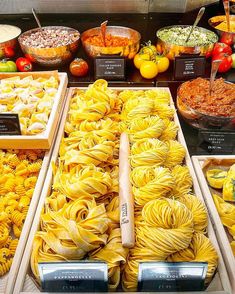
[{"x": 172, "y": 41}]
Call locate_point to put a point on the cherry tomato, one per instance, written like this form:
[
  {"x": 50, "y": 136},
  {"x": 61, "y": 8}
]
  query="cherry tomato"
[
  {"x": 148, "y": 69},
  {"x": 226, "y": 38},
  {"x": 23, "y": 64},
  {"x": 162, "y": 63},
  {"x": 149, "y": 49},
  {"x": 221, "y": 48},
  {"x": 7, "y": 66},
  {"x": 140, "y": 58},
  {"x": 29, "y": 57},
  {"x": 78, "y": 67},
  {"x": 9, "y": 52},
  {"x": 226, "y": 63}
]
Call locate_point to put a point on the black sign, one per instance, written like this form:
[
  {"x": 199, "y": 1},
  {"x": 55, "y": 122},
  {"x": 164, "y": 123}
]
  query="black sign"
[
  {"x": 171, "y": 276},
  {"x": 110, "y": 68},
  {"x": 216, "y": 142},
  {"x": 9, "y": 124},
  {"x": 80, "y": 276},
  {"x": 186, "y": 67}
]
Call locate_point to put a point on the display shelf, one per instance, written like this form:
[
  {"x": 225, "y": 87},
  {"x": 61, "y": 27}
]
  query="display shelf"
[
  {"x": 222, "y": 237},
  {"x": 25, "y": 283},
  {"x": 42, "y": 140}
]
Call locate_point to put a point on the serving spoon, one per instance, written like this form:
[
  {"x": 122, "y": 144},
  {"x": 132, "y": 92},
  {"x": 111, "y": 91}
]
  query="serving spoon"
[
  {"x": 37, "y": 20},
  {"x": 199, "y": 16},
  {"x": 227, "y": 13},
  {"x": 214, "y": 68},
  {"x": 103, "y": 27}
]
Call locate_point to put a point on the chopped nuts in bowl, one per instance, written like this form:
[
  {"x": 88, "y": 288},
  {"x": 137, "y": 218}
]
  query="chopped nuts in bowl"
[{"x": 54, "y": 46}]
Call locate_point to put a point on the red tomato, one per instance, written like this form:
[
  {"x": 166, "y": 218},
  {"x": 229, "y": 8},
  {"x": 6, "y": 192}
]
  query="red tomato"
[
  {"x": 226, "y": 63},
  {"x": 23, "y": 64},
  {"x": 221, "y": 48},
  {"x": 226, "y": 38},
  {"x": 78, "y": 67},
  {"x": 29, "y": 57},
  {"x": 9, "y": 52}
]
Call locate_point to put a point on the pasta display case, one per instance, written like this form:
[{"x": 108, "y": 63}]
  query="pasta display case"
[{"x": 85, "y": 163}]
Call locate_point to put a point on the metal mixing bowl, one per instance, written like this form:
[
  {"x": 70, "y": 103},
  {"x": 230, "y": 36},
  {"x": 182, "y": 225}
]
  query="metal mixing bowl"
[
  {"x": 216, "y": 20},
  {"x": 128, "y": 51},
  {"x": 57, "y": 56},
  {"x": 200, "y": 120},
  {"x": 171, "y": 50},
  {"x": 10, "y": 43}
]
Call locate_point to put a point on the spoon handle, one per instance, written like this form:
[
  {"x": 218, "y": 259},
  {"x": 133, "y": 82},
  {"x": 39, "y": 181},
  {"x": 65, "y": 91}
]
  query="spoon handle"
[
  {"x": 36, "y": 18},
  {"x": 226, "y": 9},
  {"x": 199, "y": 16},
  {"x": 103, "y": 31},
  {"x": 214, "y": 68}
]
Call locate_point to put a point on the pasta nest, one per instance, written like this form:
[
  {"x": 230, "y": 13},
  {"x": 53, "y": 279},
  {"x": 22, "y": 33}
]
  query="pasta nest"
[
  {"x": 148, "y": 152},
  {"x": 182, "y": 180},
  {"x": 150, "y": 183},
  {"x": 175, "y": 155},
  {"x": 200, "y": 250}
]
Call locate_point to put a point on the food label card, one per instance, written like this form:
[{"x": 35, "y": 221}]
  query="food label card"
[
  {"x": 110, "y": 68},
  {"x": 9, "y": 124},
  {"x": 171, "y": 276},
  {"x": 186, "y": 67},
  {"x": 80, "y": 276},
  {"x": 216, "y": 142}
]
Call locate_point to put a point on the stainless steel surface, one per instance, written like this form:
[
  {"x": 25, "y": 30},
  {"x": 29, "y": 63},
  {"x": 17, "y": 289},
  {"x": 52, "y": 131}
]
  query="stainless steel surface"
[
  {"x": 74, "y": 6},
  {"x": 172, "y": 50},
  {"x": 199, "y": 16},
  {"x": 56, "y": 56},
  {"x": 227, "y": 13},
  {"x": 214, "y": 68},
  {"x": 127, "y": 51},
  {"x": 9, "y": 43}
]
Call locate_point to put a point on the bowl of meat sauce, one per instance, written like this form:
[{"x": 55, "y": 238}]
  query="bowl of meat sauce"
[{"x": 204, "y": 111}]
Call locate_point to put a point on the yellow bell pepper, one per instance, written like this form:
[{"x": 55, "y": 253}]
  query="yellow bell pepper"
[{"x": 216, "y": 178}]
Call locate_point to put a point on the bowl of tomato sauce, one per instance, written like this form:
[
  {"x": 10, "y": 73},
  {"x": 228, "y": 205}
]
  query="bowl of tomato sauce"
[
  {"x": 203, "y": 110},
  {"x": 120, "y": 41}
]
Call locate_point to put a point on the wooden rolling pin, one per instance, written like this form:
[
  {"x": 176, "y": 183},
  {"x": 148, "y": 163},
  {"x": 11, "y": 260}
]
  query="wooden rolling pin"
[{"x": 126, "y": 201}]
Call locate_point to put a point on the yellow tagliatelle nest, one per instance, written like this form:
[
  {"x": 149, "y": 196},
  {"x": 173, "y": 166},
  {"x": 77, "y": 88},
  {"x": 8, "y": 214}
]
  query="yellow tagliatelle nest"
[
  {"x": 150, "y": 183},
  {"x": 182, "y": 180},
  {"x": 175, "y": 155},
  {"x": 166, "y": 228},
  {"x": 199, "y": 250},
  {"x": 148, "y": 152}
]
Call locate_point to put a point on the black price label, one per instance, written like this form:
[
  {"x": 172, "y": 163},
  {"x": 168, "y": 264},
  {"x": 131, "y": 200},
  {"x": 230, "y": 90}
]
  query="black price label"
[
  {"x": 189, "y": 67},
  {"x": 80, "y": 276},
  {"x": 171, "y": 276},
  {"x": 9, "y": 124},
  {"x": 110, "y": 68},
  {"x": 215, "y": 142}
]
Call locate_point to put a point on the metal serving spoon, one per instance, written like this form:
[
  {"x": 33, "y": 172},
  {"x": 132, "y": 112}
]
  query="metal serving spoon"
[
  {"x": 103, "y": 31},
  {"x": 227, "y": 13},
  {"x": 214, "y": 68},
  {"x": 37, "y": 20},
  {"x": 199, "y": 16}
]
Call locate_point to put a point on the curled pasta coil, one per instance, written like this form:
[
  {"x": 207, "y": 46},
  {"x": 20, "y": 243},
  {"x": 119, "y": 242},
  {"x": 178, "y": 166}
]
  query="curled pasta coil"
[
  {"x": 150, "y": 152},
  {"x": 88, "y": 181},
  {"x": 114, "y": 254},
  {"x": 175, "y": 155},
  {"x": 150, "y": 183},
  {"x": 182, "y": 180},
  {"x": 166, "y": 228},
  {"x": 164, "y": 111},
  {"x": 81, "y": 223},
  {"x": 5, "y": 266},
  {"x": 137, "y": 108},
  {"x": 170, "y": 130},
  {"x": 143, "y": 128},
  {"x": 200, "y": 250},
  {"x": 198, "y": 209}
]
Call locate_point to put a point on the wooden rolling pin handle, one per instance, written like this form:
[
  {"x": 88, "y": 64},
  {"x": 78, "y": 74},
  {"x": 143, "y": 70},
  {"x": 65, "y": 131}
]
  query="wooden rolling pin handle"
[{"x": 126, "y": 201}]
